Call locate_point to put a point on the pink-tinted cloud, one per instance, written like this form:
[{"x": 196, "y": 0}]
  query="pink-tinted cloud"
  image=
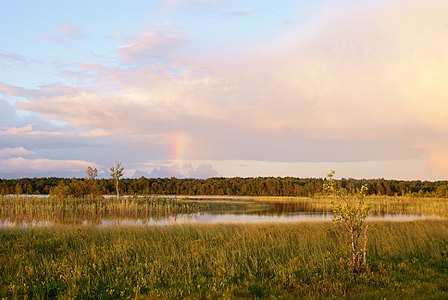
[
  {"x": 10, "y": 90},
  {"x": 153, "y": 45},
  {"x": 28, "y": 131},
  {"x": 369, "y": 75},
  {"x": 42, "y": 91}
]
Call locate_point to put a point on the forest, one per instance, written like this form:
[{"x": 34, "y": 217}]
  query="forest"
[{"x": 258, "y": 186}]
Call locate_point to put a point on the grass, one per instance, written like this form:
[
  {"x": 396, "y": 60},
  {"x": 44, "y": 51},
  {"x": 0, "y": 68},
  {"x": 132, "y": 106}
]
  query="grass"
[{"x": 227, "y": 261}]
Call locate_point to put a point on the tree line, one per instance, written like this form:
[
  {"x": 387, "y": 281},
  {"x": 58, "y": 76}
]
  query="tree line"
[{"x": 254, "y": 186}]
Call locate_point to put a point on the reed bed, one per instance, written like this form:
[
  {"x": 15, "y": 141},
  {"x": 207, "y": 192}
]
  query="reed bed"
[
  {"x": 228, "y": 261},
  {"x": 26, "y": 210},
  {"x": 376, "y": 204}
]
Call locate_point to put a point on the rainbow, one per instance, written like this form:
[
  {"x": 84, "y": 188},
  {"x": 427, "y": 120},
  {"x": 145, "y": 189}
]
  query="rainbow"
[{"x": 179, "y": 145}]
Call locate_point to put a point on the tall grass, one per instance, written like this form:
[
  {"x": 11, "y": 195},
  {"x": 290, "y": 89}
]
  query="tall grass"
[{"x": 228, "y": 261}]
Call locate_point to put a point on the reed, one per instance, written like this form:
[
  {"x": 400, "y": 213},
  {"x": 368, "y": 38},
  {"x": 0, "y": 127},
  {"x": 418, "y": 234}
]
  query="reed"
[
  {"x": 376, "y": 204},
  {"x": 21, "y": 210}
]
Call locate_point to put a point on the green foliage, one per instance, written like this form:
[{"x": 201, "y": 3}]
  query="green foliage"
[
  {"x": 60, "y": 191},
  {"x": 4, "y": 190},
  {"x": 75, "y": 188},
  {"x": 351, "y": 213},
  {"x": 442, "y": 191},
  {"x": 259, "y": 186}
]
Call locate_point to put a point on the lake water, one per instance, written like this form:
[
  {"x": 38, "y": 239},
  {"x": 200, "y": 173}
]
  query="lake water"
[
  {"x": 210, "y": 218},
  {"x": 276, "y": 212}
]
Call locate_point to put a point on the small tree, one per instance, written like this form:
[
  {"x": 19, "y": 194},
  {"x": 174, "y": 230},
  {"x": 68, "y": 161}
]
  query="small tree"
[
  {"x": 116, "y": 172},
  {"x": 351, "y": 213},
  {"x": 61, "y": 191},
  {"x": 78, "y": 188},
  {"x": 92, "y": 173}
]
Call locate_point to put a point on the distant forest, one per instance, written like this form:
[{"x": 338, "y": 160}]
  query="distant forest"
[{"x": 260, "y": 186}]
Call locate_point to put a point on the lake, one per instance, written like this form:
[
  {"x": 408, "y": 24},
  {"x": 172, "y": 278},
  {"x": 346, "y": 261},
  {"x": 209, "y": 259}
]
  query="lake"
[{"x": 260, "y": 213}]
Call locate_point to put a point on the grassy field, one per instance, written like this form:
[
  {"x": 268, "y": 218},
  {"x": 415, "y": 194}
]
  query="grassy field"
[
  {"x": 227, "y": 261},
  {"x": 289, "y": 261}
]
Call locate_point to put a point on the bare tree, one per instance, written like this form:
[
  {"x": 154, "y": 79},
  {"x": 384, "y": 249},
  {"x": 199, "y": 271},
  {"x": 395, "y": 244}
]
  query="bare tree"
[
  {"x": 116, "y": 172},
  {"x": 92, "y": 173}
]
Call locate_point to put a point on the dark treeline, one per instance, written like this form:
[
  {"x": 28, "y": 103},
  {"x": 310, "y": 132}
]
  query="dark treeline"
[{"x": 260, "y": 186}]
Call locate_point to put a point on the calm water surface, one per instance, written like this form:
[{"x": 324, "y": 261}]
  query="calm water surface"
[
  {"x": 209, "y": 218},
  {"x": 263, "y": 213}
]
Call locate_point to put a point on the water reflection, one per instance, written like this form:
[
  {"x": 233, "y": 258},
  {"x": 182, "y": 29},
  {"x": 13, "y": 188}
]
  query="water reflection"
[
  {"x": 208, "y": 218},
  {"x": 163, "y": 211}
]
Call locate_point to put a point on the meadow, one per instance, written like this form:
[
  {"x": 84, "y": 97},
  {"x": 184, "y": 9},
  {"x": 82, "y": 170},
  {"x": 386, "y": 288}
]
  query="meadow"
[{"x": 303, "y": 260}]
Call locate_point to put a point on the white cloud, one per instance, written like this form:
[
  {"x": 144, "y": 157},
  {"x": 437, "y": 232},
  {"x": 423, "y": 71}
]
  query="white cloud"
[
  {"x": 21, "y": 162},
  {"x": 178, "y": 170},
  {"x": 6, "y": 153},
  {"x": 203, "y": 171},
  {"x": 167, "y": 172},
  {"x": 359, "y": 82}
]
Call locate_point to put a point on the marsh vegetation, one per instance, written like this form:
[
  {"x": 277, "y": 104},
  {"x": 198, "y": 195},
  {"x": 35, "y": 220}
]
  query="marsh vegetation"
[{"x": 294, "y": 260}]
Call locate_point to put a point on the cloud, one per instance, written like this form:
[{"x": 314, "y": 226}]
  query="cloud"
[
  {"x": 179, "y": 170},
  {"x": 204, "y": 171},
  {"x": 7, "y": 113},
  {"x": 166, "y": 172},
  {"x": 67, "y": 32},
  {"x": 43, "y": 91},
  {"x": 20, "y": 162},
  {"x": 28, "y": 131},
  {"x": 9, "y": 59},
  {"x": 6, "y": 153},
  {"x": 10, "y": 90},
  {"x": 153, "y": 46},
  {"x": 12, "y": 57},
  {"x": 359, "y": 82}
]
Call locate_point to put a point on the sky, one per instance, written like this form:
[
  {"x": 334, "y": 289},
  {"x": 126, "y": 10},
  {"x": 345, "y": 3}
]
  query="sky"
[{"x": 223, "y": 88}]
